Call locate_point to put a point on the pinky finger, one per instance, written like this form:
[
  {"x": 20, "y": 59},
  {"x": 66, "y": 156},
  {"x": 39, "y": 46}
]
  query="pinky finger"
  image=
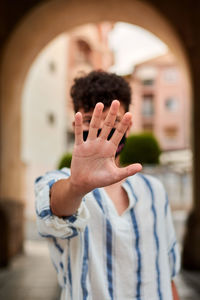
[{"x": 78, "y": 129}]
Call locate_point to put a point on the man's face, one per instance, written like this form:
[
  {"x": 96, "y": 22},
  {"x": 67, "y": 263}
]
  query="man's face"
[{"x": 87, "y": 116}]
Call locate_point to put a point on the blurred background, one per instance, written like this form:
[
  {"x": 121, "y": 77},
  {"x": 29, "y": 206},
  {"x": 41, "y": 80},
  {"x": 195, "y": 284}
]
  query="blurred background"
[{"x": 44, "y": 46}]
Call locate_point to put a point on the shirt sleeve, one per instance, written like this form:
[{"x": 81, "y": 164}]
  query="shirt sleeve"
[
  {"x": 173, "y": 249},
  {"x": 48, "y": 224}
]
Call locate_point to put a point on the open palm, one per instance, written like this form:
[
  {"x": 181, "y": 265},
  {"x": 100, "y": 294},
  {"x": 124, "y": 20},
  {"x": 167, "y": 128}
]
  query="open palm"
[{"x": 93, "y": 161}]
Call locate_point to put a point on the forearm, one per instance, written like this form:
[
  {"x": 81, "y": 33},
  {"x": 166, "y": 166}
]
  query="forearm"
[{"x": 65, "y": 198}]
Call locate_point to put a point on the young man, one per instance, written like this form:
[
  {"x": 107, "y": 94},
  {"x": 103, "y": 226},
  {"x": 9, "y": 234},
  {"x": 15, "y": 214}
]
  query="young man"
[{"x": 109, "y": 229}]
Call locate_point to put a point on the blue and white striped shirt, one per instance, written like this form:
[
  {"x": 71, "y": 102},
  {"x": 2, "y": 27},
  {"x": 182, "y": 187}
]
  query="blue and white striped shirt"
[{"x": 99, "y": 255}]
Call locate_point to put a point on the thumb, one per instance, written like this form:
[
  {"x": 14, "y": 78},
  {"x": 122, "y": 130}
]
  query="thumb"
[{"x": 129, "y": 171}]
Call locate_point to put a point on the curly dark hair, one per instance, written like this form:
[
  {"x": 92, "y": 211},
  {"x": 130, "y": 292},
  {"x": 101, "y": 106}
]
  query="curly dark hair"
[{"x": 99, "y": 86}]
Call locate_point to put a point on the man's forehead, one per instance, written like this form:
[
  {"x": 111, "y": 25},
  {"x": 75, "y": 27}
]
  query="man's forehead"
[
  {"x": 89, "y": 113},
  {"x": 105, "y": 111}
]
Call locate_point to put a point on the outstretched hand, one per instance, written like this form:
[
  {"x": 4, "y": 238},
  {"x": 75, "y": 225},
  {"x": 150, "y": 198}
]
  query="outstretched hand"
[{"x": 93, "y": 161}]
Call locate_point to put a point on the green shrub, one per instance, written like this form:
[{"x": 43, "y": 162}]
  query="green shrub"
[
  {"x": 65, "y": 161},
  {"x": 141, "y": 148}
]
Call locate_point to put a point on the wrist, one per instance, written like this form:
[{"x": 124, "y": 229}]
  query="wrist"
[
  {"x": 76, "y": 188},
  {"x": 65, "y": 198}
]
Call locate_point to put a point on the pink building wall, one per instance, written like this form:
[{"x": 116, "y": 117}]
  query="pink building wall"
[{"x": 169, "y": 124}]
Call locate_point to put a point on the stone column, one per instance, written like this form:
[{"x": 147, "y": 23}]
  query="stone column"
[{"x": 191, "y": 245}]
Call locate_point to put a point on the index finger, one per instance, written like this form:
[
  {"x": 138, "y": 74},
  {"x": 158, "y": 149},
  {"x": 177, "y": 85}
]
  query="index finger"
[
  {"x": 121, "y": 129},
  {"x": 110, "y": 119},
  {"x": 78, "y": 128}
]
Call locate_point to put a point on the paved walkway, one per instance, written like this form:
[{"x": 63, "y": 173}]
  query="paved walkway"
[
  {"x": 32, "y": 277},
  {"x": 188, "y": 285}
]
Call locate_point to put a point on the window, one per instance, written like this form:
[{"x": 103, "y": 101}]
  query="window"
[
  {"x": 52, "y": 66},
  {"x": 51, "y": 118},
  {"x": 147, "y": 106},
  {"x": 171, "y": 75},
  {"x": 171, "y": 104},
  {"x": 148, "y": 127},
  {"x": 83, "y": 53},
  {"x": 148, "y": 82},
  {"x": 171, "y": 132}
]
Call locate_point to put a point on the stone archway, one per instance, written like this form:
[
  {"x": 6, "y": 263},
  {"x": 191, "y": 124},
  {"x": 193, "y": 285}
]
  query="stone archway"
[{"x": 35, "y": 31}]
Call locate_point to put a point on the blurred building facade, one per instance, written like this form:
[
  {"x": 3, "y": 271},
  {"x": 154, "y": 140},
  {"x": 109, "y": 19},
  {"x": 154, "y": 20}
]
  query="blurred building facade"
[
  {"x": 44, "y": 115},
  {"x": 161, "y": 102}
]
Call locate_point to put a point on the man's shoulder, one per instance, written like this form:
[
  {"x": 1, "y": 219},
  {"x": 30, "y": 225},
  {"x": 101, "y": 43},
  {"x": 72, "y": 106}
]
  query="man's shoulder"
[
  {"x": 52, "y": 176},
  {"x": 149, "y": 187},
  {"x": 59, "y": 172},
  {"x": 65, "y": 170},
  {"x": 146, "y": 180}
]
